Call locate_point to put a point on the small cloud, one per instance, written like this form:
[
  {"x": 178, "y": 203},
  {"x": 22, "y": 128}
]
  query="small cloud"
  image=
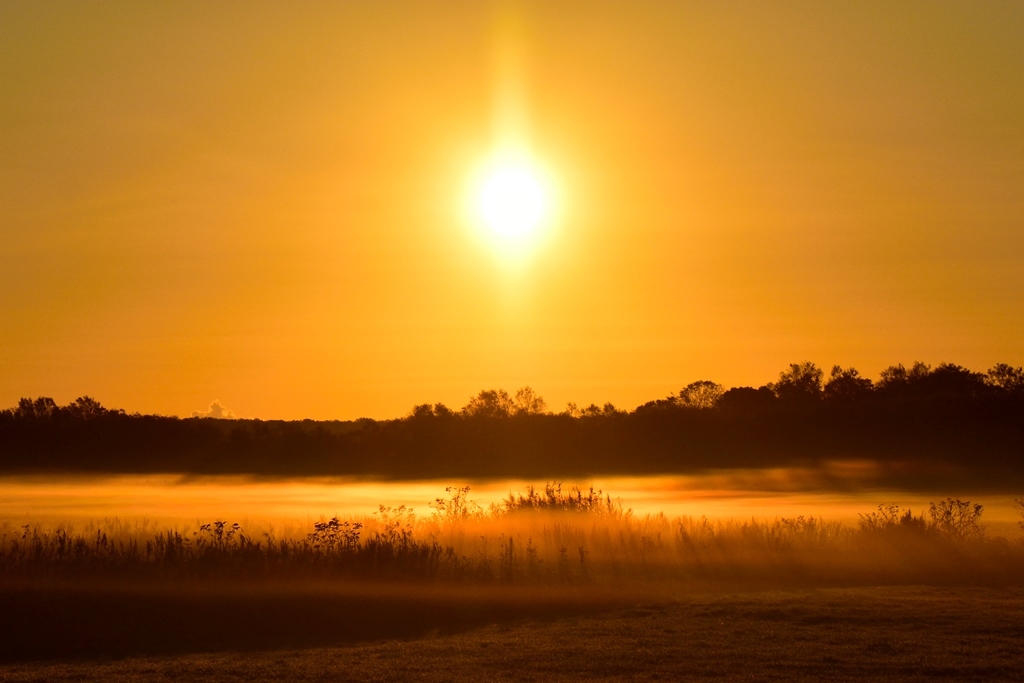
[{"x": 216, "y": 410}]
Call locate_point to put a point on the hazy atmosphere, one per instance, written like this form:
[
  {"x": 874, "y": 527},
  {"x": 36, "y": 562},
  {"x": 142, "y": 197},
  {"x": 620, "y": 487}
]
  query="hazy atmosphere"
[
  {"x": 511, "y": 341},
  {"x": 273, "y": 205}
]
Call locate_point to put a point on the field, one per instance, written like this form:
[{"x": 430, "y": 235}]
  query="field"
[
  {"x": 553, "y": 584},
  {"x": 908, "y": 633}
]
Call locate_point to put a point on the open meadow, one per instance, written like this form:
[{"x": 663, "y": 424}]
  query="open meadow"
[
  {"x": 909, "y": 633},
  {"x": 552, "y": 584}
]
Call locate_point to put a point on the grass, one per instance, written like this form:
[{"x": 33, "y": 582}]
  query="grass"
[
  {"x": 905, "y": 634},
  {"x": 553, "y": 536},
  {"x": 545, "y": 585}
]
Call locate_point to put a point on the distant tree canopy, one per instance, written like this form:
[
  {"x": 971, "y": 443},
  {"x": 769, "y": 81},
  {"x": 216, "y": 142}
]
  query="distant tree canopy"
[
  {"x": 804, "y": 385},
  {"x": 746, "y": 399},
  {"x": 45, "y": 408},
  {"x": 497, "y": 403},
  {"x": 493, "y": 403},
  {"x": 947, "y": 414},
  {"x": 1006, "y": 378},
  {"x": 702, "y": 394},
  {"x": 801, "y": 384},
  {"x": 846, "y": 385},
  {"x": 528, "y": 402}
]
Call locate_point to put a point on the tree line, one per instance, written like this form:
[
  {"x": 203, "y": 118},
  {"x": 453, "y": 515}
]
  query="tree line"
[
  {"x": 918, "y": 426},
  {"x": 801, "y": 384}
]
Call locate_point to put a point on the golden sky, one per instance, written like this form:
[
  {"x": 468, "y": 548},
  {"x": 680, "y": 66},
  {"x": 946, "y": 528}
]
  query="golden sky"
[{"x": 265, "y": 203}]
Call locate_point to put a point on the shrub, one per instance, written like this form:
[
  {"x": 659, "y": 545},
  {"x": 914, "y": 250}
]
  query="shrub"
[
  {"x": 891, "y": 518},
  {"x": 456, "y": 507},
  {"x": 335, "y": 535},
  {"x": 555, "y": 499},
  {"x": 957, "y": 519}
]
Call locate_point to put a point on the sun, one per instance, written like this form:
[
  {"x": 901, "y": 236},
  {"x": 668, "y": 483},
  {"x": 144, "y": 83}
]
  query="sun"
[{"x": 512, "y": 200}]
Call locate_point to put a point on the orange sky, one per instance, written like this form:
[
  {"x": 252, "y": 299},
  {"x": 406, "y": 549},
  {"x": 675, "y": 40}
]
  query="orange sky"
[{"x": 264, "y": 202}]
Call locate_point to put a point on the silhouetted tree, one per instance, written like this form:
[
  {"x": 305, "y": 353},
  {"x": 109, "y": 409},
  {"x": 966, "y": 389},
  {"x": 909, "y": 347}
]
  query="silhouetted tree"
[
  {"x": 41, "y": 408},
  {"x": 747, "y": 399},
  {"x": 899, "y": 378},
  {"x": 800, "y": 383},
  {"x": 953, "y": 381},
  {"x": 1006, "y": 378},
  {"x": 421, "y": 411},
  {"x": 701, "y": 394},
  {"x": 528, "y": 402},
  {"x": 609, "y": 410},
  {"x": 441, "y": 410},
  {"x": 85, "y": 408},
  {"x": 846, "y": 385},
  {"x": 593, "y": 410},
  {"x": 671, "y": 403},
  {"x": 490, "y": 403}
]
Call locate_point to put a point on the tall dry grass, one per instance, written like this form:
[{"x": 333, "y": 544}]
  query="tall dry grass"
[{"x": 549, "y": 535}]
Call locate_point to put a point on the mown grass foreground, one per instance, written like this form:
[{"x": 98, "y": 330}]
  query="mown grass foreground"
[{"x": 895, "y": 634}]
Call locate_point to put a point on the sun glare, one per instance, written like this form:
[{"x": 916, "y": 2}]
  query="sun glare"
[
  {"x": 511, "y": 204},
  {"x": 512, "y": 201}
]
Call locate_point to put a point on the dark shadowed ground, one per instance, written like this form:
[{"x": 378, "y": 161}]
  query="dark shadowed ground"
[
  {"x": 882, "y": 634},
  {"x": 70, "y": 621}
]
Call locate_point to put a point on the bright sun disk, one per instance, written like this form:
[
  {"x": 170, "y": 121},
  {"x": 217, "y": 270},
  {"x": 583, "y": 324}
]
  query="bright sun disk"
[{"x": 512, "y": 201}]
